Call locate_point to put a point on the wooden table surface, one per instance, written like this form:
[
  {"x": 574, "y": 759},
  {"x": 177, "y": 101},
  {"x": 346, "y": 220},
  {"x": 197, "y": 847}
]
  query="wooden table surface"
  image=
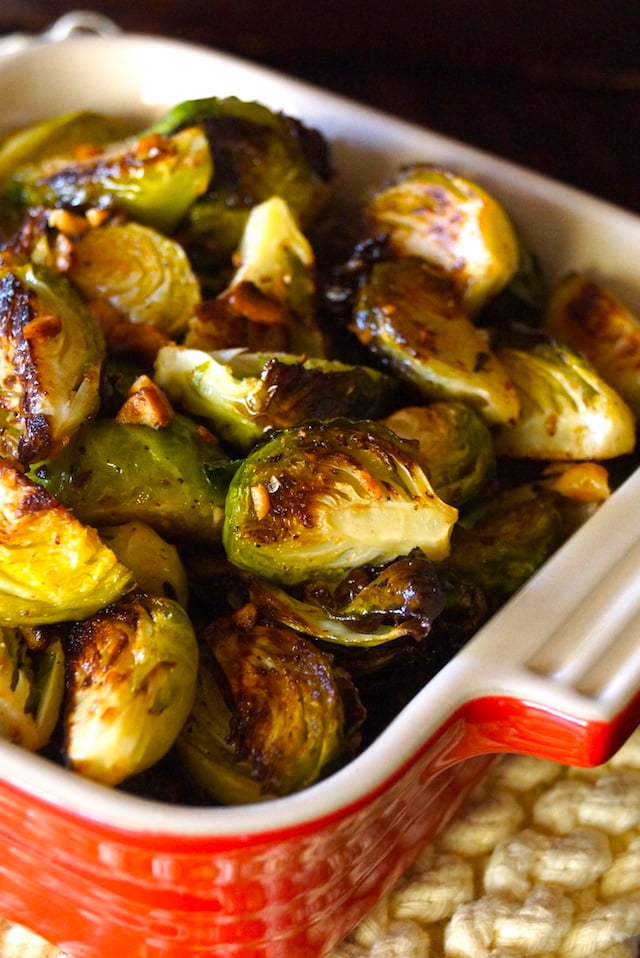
[{"x": 555, "y": 86}]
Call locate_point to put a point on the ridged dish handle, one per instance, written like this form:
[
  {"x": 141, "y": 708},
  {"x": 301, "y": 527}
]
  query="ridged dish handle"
[
  {"x": 557, "y": 671},
  {"x": 76, "y": 22}
]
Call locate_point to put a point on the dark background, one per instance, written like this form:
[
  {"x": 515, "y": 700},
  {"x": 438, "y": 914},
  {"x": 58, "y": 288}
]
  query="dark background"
[{"x": 552, "y": 84}]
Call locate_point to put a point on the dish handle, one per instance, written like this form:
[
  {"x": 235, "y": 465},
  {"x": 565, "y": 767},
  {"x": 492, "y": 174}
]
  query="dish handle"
[{"x": 76, "y": 22}]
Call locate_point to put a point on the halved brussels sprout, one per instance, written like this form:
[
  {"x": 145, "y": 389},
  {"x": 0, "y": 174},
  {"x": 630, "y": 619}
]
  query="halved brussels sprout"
[
  {"x": 567, "y": 409},
  {"x": 274, "y": 282},
  {"x": 323, "y": 498},
  {"x": 155, "y": 563},
  {"x": 501, "y": 543},
  {"x": 142, "y": 273},
  {"x": 411, "y": 317},
  {"x": 132, "y": 678},
  {"x": 594, "y": 321},
  {"x": 31, "y": 687},
  {"x": 76, "y": 131},
  {"x": 151, "y": 178},
  {"x": 257, "y": 153},
  {"x": 452, "y": 223},
  {"x": 402, "y": 599},
  {"x": 51, "y": 356},
  {"x": 243, "y": 395},
  {"x": 52, "y": 567},
  {"x": 454, "y": 447},
  {"x": 269, "y": 716},
  {"x": 174, "y": 478}
]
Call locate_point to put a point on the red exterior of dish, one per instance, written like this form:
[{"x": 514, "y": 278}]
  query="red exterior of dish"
[{"x": 97, "y": 891}]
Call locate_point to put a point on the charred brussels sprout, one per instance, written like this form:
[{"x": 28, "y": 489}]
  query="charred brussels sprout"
[
  {"x": 174, "y": 477},
  {"x": 142, "y": 273},
  {"x": 450, "y": 222},
  {"x": 455, "y": 447},
  {"x": 52, "y": 352},
  {"x": 378, "y": 606},
  {"x": 31, "y": 686},
  {"x": 274, "y": 282},
  {"x": 257, "y": 154},
  {"x": 411, "y": 317},
  {"x": 153, "y": 179},
  {"x": 318, "y": 500},
  {"x": 269, "y": 716},
  {"x": 63, "y": 134},
  {"x": 243, "y": 395},
  {"x": 132, "y": 677},
  {"x": 567, "y": 410},
  {"x": 52, "y": 568},
  {"x": 594, "y": 321}
]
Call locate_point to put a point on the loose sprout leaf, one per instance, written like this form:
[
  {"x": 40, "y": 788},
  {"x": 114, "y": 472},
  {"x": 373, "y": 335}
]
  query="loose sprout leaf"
[
  {"x": 403, "y": 599},
  {"x": 410, "y": 317},
  {"x": 133, "y": 673},
  {"x": 450, "y": 222},
  {"x": 327, "y": 497},
  {"x": 567, "y": 409},
  {"x": 52, "y": 567},
  {"x": 274, "y": 279}
]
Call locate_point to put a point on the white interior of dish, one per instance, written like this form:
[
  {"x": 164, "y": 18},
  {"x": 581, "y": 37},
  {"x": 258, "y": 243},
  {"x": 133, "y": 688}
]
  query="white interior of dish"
[{"x": 142, "y": 76}]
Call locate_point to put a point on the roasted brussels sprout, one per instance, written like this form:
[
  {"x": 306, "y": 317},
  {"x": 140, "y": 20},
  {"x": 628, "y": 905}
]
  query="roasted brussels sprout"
[
  {"x": 410, "y": 316},
  {"x": 320, "y": 499},
  {"x": 142, "y": 273},
  {"x": 369, "y": 609},
  {"x": 594, "y": 321},
  {"x": 455, "y": 447},
  {"x": 257, "y": 154},
  {"x": 452, "y": 223},
  {"x": 274, "y": 282},
  {"x": 243, "y": 395},
  {"x": 52, "y": 568},
  {"x": 174, "y": 478},
  {"x": 52, "y": 352},
  {"x": 131, "y": 684},
  {"x": 152, "y": 178},
  {"x": 62, "y": 134},
  {"x": 31, "y": 686},
  {"x": 501, "y": 543},
  {"x": 269, "y": 716},
  {"x": 567, "y": 410},
  {"x": 156, "y": 564}
]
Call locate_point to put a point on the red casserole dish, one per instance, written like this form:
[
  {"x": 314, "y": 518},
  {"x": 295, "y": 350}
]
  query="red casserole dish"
[{"x": 99, "y": 872}]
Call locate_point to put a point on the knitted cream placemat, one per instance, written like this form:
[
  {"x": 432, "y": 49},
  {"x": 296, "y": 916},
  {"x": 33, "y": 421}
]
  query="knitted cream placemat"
[{"x": 541, "y": 860}]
